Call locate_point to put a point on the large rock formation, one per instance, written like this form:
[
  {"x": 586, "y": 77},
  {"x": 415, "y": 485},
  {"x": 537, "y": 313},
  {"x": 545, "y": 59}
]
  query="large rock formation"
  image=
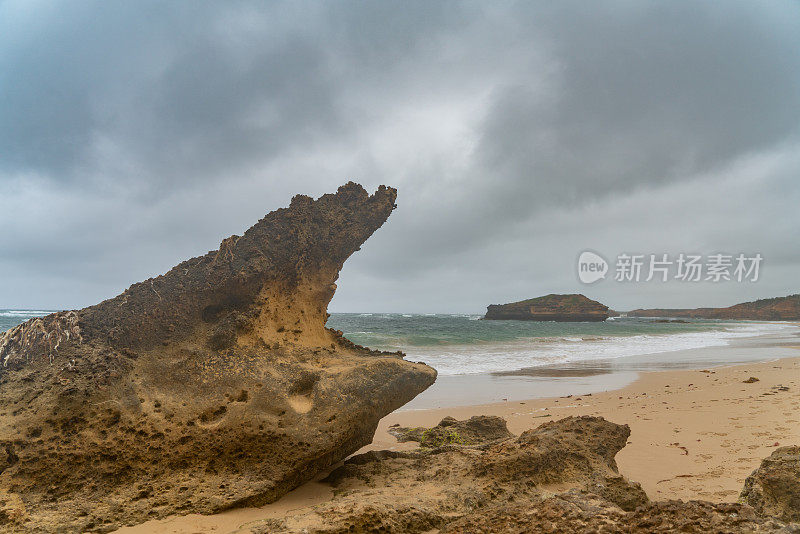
[
  {"x": 567, "y": 308},
  {"x": 775, "y": 309},
  {"x": 774, "y": 488},
  {"x": 215, "y": 385}
]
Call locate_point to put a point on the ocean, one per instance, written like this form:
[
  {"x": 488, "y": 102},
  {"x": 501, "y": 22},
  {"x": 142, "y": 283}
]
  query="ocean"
[
  {"x": 461, "y": 344},
  {"x": 11, "y": 318}
]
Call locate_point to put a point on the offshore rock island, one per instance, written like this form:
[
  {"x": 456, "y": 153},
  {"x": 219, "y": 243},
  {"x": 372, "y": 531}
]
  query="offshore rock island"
[
  {"x": 562, "y": 308},
  {"x": 212, "y": 386}
]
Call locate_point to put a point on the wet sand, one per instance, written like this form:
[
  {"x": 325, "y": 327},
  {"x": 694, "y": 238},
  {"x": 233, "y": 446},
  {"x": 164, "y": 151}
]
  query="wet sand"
[
  {"x": 595, "y": 376},
  {"x": 695, "y": 433}
]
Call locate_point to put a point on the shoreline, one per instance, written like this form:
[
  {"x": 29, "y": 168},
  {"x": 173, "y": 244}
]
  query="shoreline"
[
  {"x": 695, "y": 434},
  {"x": 598, "y": 375}
]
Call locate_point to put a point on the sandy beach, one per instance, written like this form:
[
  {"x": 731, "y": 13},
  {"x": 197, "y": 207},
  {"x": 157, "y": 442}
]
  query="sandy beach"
[{"x": 695, "y": 434}]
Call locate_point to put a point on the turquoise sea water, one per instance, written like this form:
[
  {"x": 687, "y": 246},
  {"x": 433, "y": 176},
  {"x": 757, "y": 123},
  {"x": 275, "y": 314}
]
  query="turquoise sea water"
[
  {"x": 395, "y": 331},
  {"x": 463, "y": 344}
]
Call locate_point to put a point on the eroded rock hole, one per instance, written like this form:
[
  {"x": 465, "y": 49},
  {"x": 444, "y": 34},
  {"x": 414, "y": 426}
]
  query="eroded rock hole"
[
  {"x": 211, "y": 313},
  {"x": 305, "y": 384},
  {"x": 211, "y": 416}
]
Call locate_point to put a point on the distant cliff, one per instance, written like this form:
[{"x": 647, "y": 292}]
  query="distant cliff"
[
  {"x": 775, "y": 309},
  {"x": 564, "y": 308}
]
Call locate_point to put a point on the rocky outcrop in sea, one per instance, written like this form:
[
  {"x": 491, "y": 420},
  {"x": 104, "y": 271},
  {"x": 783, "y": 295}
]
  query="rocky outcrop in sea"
[{"x": 563, "y": 308}]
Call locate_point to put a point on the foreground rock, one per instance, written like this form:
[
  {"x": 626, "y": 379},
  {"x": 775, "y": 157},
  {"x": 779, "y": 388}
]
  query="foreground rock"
[
  {"x": 476, "y": 430},
  {"x": 581, "y": 512},
  {"x": 215, "y": 385},
  {"x": 564, "y": 308},
  {"x": 409, "y": 492},
  {"x": 774, "y": 488},
  {"x": 559, "y": 477},
  {"x": 775, "y": 309}
]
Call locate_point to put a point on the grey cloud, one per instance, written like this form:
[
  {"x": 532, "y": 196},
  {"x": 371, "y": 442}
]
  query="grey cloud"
[
  {"x": 609, "y": 100},
  {"x": 643, "y": 97},
  {"x": 746, "y": 207},
  {"x": 190, "y": 91},
  {"x": 650, "y": 95},
  {"x": 133, "y": 135},
  {"x": 154, "y": 82}
]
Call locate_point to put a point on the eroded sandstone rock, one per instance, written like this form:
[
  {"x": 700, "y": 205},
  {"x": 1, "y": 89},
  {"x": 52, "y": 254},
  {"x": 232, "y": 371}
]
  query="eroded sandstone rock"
[
  {"x": 215, "y": 385},
  {"x": 581, "y": 512},
  {"x": 559, "y": 477},
  {"x": 473, "y": 431},
  {"x": 564, "y": 308},
  {"x": 774, "y": 488},
  {"x": 430, "y": 488}
]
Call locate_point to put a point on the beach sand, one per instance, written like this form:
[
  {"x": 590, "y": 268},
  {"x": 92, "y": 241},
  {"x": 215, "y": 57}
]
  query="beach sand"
[{"x": 695, "y": 434}]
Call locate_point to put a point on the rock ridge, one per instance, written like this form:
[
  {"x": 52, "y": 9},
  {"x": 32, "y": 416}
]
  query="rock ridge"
[{"x": 214, "y": 385}]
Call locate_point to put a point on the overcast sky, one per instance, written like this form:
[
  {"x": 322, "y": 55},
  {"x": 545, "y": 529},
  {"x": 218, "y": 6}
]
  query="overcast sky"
[{"x": 134, "y": 135}]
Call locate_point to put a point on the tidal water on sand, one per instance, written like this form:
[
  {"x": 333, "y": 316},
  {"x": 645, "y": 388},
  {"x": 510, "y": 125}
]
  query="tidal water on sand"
[{"x": 482, "y": 362}]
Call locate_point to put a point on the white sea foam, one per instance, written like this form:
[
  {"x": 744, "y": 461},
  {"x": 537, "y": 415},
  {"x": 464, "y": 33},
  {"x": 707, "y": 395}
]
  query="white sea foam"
[
  {"x": 532, "y": 352},
  {"x": 24, "y": 313}
]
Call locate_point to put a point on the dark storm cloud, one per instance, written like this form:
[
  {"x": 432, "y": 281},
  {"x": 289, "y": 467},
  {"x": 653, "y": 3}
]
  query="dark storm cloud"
[
  {"x": 646, "y": 95},
  {"x": 133, "y": 135},
  {"x": 188, "y": 90},
  {"x": 640, "y": 95},
  {"x": 158, "y": 84}
]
